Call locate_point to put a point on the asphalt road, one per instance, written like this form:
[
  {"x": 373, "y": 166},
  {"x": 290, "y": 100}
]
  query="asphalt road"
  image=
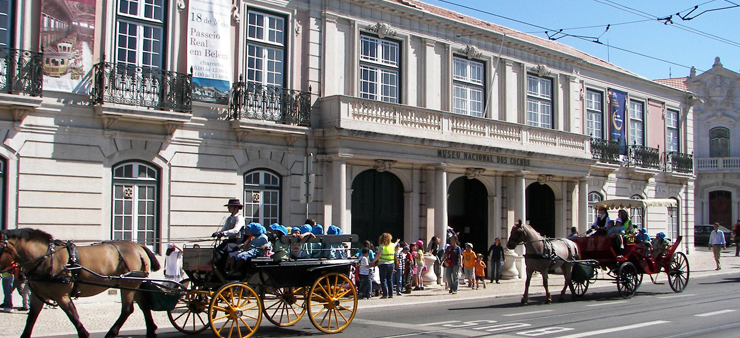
[{"x": 709, "y": 307}]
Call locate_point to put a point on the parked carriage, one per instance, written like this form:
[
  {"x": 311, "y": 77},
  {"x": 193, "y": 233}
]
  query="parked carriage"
[
  {"x": 282, "y": 291},
  {"x": 627, "y": 270}
]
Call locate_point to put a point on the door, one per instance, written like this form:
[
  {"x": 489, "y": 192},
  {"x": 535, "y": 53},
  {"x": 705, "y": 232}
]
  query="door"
[
  {"x": 377, "y": 205},
  {"x": 467, "y": 212},
  {"x": 541, "y": 209}
]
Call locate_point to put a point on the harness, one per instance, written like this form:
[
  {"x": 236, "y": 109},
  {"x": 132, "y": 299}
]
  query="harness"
[{"x": 549, "y": 252}]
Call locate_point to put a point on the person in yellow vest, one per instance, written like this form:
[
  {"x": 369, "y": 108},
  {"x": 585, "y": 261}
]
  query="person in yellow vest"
[{"x": 387, "y": 261}]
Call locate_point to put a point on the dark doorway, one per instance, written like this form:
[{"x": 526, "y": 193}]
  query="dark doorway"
[
  {"x": 541, "y": 209},
  {"x": 720, "y": 208},
  {"x": 377, "y": 205},
  {"x": 467, "y": 212}
]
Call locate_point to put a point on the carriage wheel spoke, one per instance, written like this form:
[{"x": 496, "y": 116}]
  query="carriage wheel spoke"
[
  {"x": 219, "y": 318},
  {"x": 180, "y": 316},
  {"x": 246, "y": 325}
]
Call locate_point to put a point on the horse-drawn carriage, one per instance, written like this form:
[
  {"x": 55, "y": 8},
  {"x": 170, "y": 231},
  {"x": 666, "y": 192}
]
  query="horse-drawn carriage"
[{"x": 232, "y": 304}]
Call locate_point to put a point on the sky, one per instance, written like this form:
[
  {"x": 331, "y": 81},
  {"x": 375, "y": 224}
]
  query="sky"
[{"x": 668, "y": 50}]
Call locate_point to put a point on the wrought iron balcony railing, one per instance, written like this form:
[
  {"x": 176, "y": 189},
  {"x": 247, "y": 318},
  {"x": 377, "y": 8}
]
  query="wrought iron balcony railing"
[
  {"x": 21, "y": 72},
  {"x": 605, "y": 151},
  {"x": 142, "y": 87},
  {"x": 645, "y": 157},
  {"x": 679, "y": 162},
  {"x": 259, "y": 102}
]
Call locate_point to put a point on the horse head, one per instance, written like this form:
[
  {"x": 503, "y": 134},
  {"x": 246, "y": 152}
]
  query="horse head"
[
  {"x": 517, "y": 236},
  {"x": 7, "y": 253}
]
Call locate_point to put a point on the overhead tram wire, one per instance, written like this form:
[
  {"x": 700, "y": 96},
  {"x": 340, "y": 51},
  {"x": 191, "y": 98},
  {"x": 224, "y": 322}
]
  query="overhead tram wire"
[{"x": 595, "y": 26}]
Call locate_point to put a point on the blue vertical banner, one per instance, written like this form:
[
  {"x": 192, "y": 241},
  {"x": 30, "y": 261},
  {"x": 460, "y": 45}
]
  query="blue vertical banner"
[{"x": 617, "y": 103}]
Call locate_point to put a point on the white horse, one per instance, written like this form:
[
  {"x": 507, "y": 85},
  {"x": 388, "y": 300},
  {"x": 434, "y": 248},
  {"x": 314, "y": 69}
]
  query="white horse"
[{"x": 542, "y": 255}]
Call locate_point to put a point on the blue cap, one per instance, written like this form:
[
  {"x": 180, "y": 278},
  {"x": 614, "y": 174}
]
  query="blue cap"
[
  {"x": 279, "y": 228},
  {"x": 256, "y": 228},
  {"x": 643, "y": 230},
  {"x": 333, "y": 230},
  {"x": 660, "y": 235},
  {"x": 317, "y": 229},
  {"x": 305, "y": 228}
]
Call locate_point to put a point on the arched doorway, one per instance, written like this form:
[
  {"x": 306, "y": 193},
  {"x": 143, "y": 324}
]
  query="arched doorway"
[
  {"x": 720, "y": 207},
  {"x": 467, "y": 211},
  {"x": 377, "y": 205},
  {"x": 541, "y": 208}
]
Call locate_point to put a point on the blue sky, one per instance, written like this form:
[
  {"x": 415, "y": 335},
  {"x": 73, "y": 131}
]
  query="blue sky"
[{"x": 715, "y": 33}]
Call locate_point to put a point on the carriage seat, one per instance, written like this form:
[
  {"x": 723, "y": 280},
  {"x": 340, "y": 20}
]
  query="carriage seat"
[{"x": 323, "y": 239}]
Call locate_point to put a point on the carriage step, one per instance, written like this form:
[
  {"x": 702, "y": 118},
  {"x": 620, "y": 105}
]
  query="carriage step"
[{"x": 659, "y": 283}]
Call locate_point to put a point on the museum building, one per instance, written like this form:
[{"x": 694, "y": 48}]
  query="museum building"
[{"x": 137, "y": 120}]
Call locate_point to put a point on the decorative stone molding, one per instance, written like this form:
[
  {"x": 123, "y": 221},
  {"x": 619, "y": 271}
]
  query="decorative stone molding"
[
  {"x": 382, "y": 29},
  {"x": 290, "y": 140},
  {"x": 719, "y": 119},
  {"x": 241, "y": 134},
  {"x": 472, "y": 173},
  {"x": 180, "y": 5},
  {"x": 235, "y": 12},
  {"x": 383, "y": 165},
  {"x": 471, "y": 52},
  {"x": 542, "y": 179},
  {"x": 541, "y": 70}
]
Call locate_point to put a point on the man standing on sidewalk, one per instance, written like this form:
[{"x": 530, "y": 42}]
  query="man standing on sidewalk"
[
  {"x": 736, "y": 233},
  {"x": 717, "y": 243}
]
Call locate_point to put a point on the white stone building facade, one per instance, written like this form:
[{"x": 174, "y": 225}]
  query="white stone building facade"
[{"x": 377, "y": 116}]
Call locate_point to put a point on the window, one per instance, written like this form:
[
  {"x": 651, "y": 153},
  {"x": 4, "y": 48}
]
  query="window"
[
  {"x": 140, "y": 32},
  {"x": 637, "y": 124},
  {"x": 673, "y": 223},
  {"x": 135, "y": 200},
  {"x": 468, "y": 87},
  {"x": 671, "y": 121},
  {"x": 539, "y": 101},
  {"x": 379, "y": 69},
  {"x": 5, "y": 23},
  {"x": 593, "y": 198},
  {"x": 594, "y": 114},
  {"x": 262, "y": 197},
  {"x": 265, "y": 49},
  {"x": 719, "y": 142},
  {"x": 636, "y": 214}
]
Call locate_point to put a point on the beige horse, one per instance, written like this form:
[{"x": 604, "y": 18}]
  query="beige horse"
[
  {"x": 43, "y": 259},
  {"x": 542, "y": 255}
]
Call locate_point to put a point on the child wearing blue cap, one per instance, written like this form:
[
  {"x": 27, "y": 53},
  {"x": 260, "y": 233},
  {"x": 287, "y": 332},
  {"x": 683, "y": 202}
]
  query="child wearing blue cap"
[{"x": 256, "y": 247}]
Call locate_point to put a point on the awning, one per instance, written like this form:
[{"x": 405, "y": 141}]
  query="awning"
[{"x": 627, "y": 203}]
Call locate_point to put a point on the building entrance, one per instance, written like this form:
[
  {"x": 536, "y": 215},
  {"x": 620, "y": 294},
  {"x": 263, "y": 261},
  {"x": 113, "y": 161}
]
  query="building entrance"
[
  {"x": 720, "y": 208},
  {"x": 467, "y": 212},
  {"x": 377, "y": 205},
  {"x": 541, "y": 209}
]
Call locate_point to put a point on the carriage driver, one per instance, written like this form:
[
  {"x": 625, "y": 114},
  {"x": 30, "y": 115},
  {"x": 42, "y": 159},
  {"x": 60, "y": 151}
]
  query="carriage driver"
[{"x": 232, "y": 226}]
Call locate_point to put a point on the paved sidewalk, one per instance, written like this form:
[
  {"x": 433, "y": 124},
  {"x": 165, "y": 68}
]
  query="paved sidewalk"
[{"x": 98, "y": 313}]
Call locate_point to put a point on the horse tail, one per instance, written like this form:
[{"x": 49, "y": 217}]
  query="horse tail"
[{"x": 153, "y": 261}]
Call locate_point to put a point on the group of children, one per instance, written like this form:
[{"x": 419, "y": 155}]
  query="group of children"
[
  {"x": 474, "y": 267},
  {"x": 407, "y": 274}
]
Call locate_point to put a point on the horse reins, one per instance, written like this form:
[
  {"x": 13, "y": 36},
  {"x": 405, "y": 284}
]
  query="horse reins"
[{"x": 546, "y": 244}]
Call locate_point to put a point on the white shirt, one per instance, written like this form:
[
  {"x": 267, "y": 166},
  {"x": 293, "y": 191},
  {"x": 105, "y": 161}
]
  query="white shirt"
[
  {"x": 233, "y": 226},
  {"x": 173, "y": 263},
  {"x": 717, "y": 238}
]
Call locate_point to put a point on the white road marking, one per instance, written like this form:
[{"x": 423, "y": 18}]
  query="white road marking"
[
  {"x": 526, "y": 313},
  {"x": 683, "y": 295},
  {"x": 615, "y": 329},
  {"x": 714, "y": 313},
  {"x": 439, "y": 323},
  {"x": 607, "y": 303}
]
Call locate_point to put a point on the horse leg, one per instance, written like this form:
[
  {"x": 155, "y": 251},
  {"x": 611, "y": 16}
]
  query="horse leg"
[
  {"x": 36, "y": 306},
  {"x": 127, "y": 307},
  {"x": 151, "y": 327},
  {"x": 567, "y": 270},
  {"x": 525, "y": 297},
  {"x": 69, "y": 308},
  {"x": 548, "y": 298}
]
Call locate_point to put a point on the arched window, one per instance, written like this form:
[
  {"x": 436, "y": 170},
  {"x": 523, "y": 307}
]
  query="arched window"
[
  {"x": 135, "y": 201},
  {"x": 719, "y": 142},
  {"x": 262, "y": 197},
  {"x": 673, "y": 221},
  {"x": 593, "y": 198},
  {"x": 636, "y": 214}
]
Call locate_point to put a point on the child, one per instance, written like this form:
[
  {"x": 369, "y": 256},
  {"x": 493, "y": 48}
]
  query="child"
[
  {"x": 407, "y": 270},
  {"x": 469, "y": 257},
  {"x": 413, "y": 253},
  {"x": 364, "y": 274},
  {"x": 480, "y": 271},
  {"x": 420, "y": 265},
  {"x": 257, "y": 247},
  {"x": 398, "y": 281},
  {"x": 276, "y": 234},
  {"x": 301, "y": 249}
]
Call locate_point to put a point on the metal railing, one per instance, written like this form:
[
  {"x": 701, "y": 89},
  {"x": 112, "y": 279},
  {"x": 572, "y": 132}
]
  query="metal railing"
[
  {"x": 645, "y": 157},
  {"x": 605, "y": 151},
  {"x": 142, "y": 87},
  {"x": 21, "y": 72},
  {"x": 269, "y": 103},
  {"x": 679, "y": 162}
]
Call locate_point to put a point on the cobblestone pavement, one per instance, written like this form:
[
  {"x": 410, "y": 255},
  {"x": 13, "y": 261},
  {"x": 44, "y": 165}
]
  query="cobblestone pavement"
[{"x": 98, "y": 313}]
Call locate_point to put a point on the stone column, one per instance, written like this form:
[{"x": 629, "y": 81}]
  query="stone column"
[
  {"x": 339, "y": 211},
  {"x": 583, "y": 206},
  {"x": 440, "y": 204},
  {"x": 520, "y": 195}
]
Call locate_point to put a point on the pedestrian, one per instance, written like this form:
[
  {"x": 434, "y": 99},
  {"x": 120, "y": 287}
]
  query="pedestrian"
[
  {"x": 420, "y": 266},
  {"x": 496, "y": 254},
  {"x": 436, "y": 251},
  {"x": 173, "y": 263},
  {"x": 736, "y": 234},
  {"x": 452, "y": 260},
  {"x": 480, "y": 271},
  {"x": 386, "y": 259},
  {"x": 20, "y": 284},
  {"x": 717, "y": 243},
  {"x": 364, "y": 274},
  {"x": 8, "y": 276},
  {"x": 398, "y": 274},
  {"x": 469, "y": 257}
]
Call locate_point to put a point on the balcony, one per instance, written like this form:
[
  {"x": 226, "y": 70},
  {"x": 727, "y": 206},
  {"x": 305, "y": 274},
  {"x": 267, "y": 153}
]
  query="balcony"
[
  {"x": 251, "y": 101},
  {"x": 605, "y": 151},
  {"x": 20, "y": 72},
  {"x": 718, "y": 164},
  {"x": 149, "y": 88},
  {"x": 352, "y": 113},
  {"x": 680, "y": 162},
  {"x": 644, "y": 157}
]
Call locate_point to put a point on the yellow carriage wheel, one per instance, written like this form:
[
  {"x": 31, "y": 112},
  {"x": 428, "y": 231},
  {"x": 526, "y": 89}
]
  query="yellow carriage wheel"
[
  {"x": 332, "y": 303},
  {"x": 235, "y": 311},
  {"x": 190, "y": 315},
  {"x": 283, "y": 306}
]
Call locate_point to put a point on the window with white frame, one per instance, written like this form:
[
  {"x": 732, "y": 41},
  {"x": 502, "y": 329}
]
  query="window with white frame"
[
  {"x": 6, "y": 6},
  {"x": 636, "y": 214},
  {"x": 719, "y": 142},
  {"x": 673, "y": 222},
  {"x": 140, "y": 26},
  {"x": 265, "y": 49},
  {"x": 671, "y": 123},
  {"x": 593, "y": 198},
  {"x": 262, "y": 197},
  {"x": 539, "y": 101},
  {"x": 594, "y": 114},
  {"x": 468, "y": 87},
  {"x": 135, "y": 200},
  {"x": 379, "y": 69},
  {"x": 637, "y": 123}
]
